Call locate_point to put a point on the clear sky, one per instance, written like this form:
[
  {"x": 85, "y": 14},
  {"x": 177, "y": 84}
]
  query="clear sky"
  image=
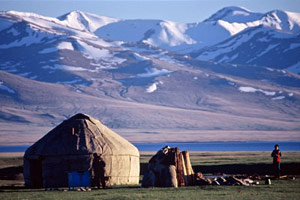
[{"x": 175, "y": 10}]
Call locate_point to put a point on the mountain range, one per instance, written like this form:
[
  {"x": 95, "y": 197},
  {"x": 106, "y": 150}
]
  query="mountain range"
[{"x": 234, "y": 76}]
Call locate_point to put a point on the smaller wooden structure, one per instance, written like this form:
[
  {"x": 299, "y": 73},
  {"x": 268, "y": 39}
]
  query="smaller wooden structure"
[{"x": 169, "y": 168}]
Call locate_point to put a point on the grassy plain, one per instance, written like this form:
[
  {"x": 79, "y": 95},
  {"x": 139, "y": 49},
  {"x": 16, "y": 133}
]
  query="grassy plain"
[
  {"x": 232, "y": 157},
  {"x": 197, "y": 158},
  {"x": 279, "y": 189}
]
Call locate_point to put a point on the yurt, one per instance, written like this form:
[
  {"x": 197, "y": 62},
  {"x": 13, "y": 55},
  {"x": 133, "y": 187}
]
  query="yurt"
[{"x": 70, "y": 147}]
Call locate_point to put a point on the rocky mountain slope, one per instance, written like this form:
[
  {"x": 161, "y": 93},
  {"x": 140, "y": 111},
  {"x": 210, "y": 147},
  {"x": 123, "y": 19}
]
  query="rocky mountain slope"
[{"x": 152, "y": 80}]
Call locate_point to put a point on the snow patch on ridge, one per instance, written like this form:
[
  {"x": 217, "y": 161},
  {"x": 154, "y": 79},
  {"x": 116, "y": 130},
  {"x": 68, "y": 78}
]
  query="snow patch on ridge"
[
  {"x": 151, "y": 88},
  {"x": 139, "y": 57},
  {"x": 251, "y": 89},
  {"x": 278, "y": 98},
  {"x": 92, "y": 52},
  {"x": 34, "y": 37},
  {"x": 152, "y": 72},
  {"x": 60, "y": 46},
  {"x": 5, "y": 88},
  {"x": 100, "y": 55},
  {"x": 65, "y": 45},
  {"x": 64, "y": 67},
  {"x": 14, "y": 32},
  {"x": 294, "y": 68},
  {"x": 48, "y": 50}
]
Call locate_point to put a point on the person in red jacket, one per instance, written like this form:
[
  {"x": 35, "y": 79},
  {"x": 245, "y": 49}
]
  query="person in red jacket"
[{"x": 276, "y": 154}]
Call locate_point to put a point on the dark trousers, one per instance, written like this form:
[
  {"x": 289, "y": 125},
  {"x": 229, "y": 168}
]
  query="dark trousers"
[
  {"x": 276, "y": 168},
  {"x": 99, "y": 178}
]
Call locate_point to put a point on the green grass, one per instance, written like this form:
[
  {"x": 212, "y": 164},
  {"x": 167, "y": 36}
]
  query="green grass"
[
  {"x": 213, "y": 158},
  {"x": 220, "y": 158},
  {"x": 280, "y": 189},
  {"x": 201, "y": 158},
  {"x": 10, "y": 161}
]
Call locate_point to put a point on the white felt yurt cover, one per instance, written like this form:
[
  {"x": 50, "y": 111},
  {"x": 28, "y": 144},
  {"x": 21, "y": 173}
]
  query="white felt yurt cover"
[{"x": 70, "y": 147}]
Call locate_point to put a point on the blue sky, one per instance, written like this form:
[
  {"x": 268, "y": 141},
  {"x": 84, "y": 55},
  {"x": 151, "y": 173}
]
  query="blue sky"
[{"x": 175, "y": 10}]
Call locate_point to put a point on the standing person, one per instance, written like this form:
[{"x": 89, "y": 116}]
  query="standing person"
[
  {"x": 99, "y": 170},
  {"x": 276, "y": 154}
]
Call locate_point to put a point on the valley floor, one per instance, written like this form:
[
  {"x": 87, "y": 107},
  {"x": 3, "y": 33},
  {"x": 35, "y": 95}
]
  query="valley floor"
[
  {"x": 13, "y": 134},
  {"x": 286, "y": 188}
]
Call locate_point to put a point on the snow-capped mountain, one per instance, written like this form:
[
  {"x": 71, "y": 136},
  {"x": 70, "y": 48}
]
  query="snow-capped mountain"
[
  {"x": 282, "y": 20},
  {"x": 158, "y": 33},
  {"x": 53, "y": 44},
  {"x": 199, "y": 39},
  {"x": 233, "y": 14},
  {"x": 270, "y": 39},
  {"x": 257, "y": 46},
  {"x": 152, "y": 74},
  {"x": 203, "y": 39},
  {"x": 239, "y": 18},
  {"x": 85, "y": 21}
]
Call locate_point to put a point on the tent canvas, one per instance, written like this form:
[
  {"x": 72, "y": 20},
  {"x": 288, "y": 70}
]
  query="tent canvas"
[{"x": 70, "y": 146}]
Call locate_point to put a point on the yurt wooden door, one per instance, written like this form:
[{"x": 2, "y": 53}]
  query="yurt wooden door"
[{"x": 36, "y": 173}]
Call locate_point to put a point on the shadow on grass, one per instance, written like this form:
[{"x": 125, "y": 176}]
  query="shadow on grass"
[{"x": 28, "y": 189}]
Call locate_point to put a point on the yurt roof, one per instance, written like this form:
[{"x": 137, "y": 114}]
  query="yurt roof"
[{"x": 81, "y": 135}]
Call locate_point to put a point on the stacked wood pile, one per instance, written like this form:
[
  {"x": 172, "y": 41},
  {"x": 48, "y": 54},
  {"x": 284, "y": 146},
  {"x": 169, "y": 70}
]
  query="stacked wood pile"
[
  {"x": 169, "y": 168},
  {"x": 223, "y": 180}
]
